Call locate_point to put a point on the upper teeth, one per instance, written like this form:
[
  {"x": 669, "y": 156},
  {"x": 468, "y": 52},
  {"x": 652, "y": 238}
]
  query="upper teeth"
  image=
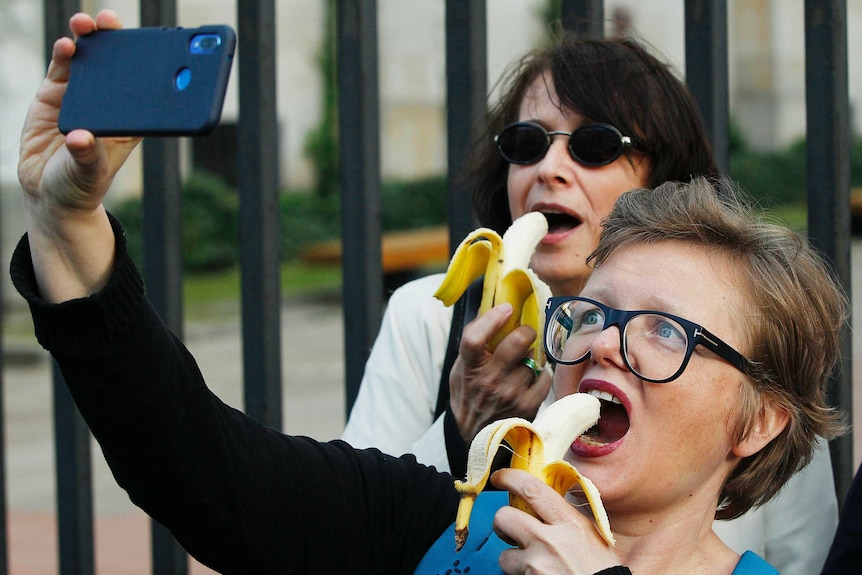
[{"x": 604, "y": 395}]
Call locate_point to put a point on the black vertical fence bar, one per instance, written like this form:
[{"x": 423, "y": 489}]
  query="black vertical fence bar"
[
  {"x": 163, "y": 273},
  {"x": 163, "y": 260},
  {"x": 828, "y": 165},
  {"x": 259, "y": 212},
  {"x": 466, "y": 89},
  {"x": 74, "y": 483},
  {"x": 706, "y": 70},
  {"x": 72, "y": 437},
  {"x": 359, "y": 153},
  {"x": 586, "y": 17},
  {"x": 163, "y": 264}
]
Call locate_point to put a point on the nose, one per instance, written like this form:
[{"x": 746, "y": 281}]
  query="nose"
[
  {"x": 556, "y": 166},
  {"x": 606, "y": 348}
]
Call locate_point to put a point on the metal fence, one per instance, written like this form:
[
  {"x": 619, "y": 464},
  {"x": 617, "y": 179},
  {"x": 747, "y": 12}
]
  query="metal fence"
[{"x": 706, "y": 73}]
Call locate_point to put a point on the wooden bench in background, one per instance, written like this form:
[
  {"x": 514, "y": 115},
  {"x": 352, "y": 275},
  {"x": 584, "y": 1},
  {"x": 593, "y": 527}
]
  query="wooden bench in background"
[
  {"x": 856, "y": 210},
  {"x": 405, "y": 254}
]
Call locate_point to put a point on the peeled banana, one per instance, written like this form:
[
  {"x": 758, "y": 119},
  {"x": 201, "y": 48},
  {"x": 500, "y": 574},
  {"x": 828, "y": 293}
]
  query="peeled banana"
[
  {"x": 504, "y": 263},
  {"x": 538, "y": 448}
]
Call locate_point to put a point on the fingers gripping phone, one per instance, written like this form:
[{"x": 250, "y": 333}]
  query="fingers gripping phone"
[{"x": 148, "y": 81}]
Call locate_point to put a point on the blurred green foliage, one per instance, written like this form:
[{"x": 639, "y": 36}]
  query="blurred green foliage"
[
  {"x": 210, "y": 218},
  {"x": 210, "y": 223},
  {"x": 780, "y": 177},
  {"x": 771, "y": 177}
]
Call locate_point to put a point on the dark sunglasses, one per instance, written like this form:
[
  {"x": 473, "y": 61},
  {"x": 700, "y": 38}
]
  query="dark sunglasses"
[{"x": 592, "y": 144}]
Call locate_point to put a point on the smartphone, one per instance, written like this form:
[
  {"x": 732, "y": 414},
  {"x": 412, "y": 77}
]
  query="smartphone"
[{"x": 148, "y": 81}]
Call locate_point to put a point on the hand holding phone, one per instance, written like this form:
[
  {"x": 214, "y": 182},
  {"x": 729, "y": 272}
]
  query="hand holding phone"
[{"x": 148, "y": 81}]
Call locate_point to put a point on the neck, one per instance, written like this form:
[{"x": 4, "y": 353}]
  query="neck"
[{"x": 680, "y": 541}]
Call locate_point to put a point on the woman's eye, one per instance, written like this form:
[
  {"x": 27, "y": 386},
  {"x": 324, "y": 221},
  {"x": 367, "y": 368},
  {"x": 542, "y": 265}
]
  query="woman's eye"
[
  {"x": 668, "y": 331},
  {"x": 588, "y": 321},
  {"x": 593, "y": 317}
]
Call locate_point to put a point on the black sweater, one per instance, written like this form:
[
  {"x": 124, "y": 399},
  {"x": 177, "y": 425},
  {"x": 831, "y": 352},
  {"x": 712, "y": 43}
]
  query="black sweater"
[{"x": 240, "y": 497}]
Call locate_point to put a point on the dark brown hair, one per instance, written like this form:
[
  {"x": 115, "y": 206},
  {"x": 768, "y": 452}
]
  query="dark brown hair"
[{"x": 615, "y": 81}]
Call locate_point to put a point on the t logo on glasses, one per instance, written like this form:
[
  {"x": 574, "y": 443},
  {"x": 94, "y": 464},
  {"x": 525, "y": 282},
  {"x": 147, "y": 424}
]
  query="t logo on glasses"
[
  {"x": 656, "y": 346},
  {"x": 593, "y": 144}
]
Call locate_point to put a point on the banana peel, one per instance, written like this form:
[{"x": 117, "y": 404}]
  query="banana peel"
[
  {"x": 504, "y": 262},
  {"x": 537, "y": 448}
]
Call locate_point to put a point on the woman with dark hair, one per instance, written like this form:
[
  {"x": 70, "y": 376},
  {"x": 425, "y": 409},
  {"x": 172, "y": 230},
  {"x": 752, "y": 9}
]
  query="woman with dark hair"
[{"x": 609, "y": 81}]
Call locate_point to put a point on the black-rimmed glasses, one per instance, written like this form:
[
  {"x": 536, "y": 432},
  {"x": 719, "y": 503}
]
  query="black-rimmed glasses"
[
  {"x": 656, "y": 346},
  {"x": 593, "y": 144}
]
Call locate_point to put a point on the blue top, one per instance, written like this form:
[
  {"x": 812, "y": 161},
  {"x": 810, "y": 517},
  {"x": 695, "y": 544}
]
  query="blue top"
[{"x": 482, "y": 549}]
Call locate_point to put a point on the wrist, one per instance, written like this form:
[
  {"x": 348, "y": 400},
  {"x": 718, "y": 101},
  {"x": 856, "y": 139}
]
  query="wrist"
[
  {"x": 72, "y": 257},
  {"x": 456, "y": 448}
]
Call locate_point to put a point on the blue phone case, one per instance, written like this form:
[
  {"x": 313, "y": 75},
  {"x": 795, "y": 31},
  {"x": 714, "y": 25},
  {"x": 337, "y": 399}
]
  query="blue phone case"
[{"x": 149, "y": 81}]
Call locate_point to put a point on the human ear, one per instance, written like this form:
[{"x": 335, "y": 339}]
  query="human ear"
[{"x": 770, "y": 421}]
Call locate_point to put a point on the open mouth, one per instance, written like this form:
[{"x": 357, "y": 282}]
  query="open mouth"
[
  {"x": 558, "y": 222},
  {"x": 613, "y": 421}
]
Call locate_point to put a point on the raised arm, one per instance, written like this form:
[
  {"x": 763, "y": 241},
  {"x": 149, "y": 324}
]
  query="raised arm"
[{"x": 64, "y": 179}]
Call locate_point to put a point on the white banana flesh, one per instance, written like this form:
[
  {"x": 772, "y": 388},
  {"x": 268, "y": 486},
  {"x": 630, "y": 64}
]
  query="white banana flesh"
[
  {"x": 504, "y": 261},
  {"x": 537, "y": 448}
]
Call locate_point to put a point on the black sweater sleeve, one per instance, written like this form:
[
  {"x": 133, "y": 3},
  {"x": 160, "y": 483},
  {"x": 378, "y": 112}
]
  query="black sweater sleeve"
[{"x": 240, "y": 497}]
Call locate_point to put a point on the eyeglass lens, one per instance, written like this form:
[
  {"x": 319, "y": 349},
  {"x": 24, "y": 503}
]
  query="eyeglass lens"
[
  {"x": 655, "y": 346},
  {"x": 591, "y": 144}
]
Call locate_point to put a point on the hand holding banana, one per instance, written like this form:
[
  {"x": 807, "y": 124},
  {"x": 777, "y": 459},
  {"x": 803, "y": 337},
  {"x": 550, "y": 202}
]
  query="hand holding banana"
[
  {"x": 537, "y": 448},
  {"x": 504, "y": 263}
]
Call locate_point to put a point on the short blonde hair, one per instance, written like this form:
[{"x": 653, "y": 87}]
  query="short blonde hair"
[{"x": 798, "y": 312}]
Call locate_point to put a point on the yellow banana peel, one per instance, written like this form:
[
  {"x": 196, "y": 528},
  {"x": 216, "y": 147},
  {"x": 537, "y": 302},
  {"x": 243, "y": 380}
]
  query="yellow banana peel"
[
  {"x": 537, "y": 448},
  {"x": 504, "y": 261}
]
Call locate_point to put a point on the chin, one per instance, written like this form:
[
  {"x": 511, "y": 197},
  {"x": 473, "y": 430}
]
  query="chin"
[{"x": 560, "y": 267}]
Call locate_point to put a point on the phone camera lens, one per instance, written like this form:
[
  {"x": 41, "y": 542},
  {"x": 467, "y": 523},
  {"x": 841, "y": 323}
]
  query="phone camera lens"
[{"x": 205, "y": 43}]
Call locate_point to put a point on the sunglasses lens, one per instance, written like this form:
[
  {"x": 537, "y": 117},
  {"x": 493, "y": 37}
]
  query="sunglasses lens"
[
  {"x": 522, "y": 143},
  {"x": 595, "y": 145}
]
